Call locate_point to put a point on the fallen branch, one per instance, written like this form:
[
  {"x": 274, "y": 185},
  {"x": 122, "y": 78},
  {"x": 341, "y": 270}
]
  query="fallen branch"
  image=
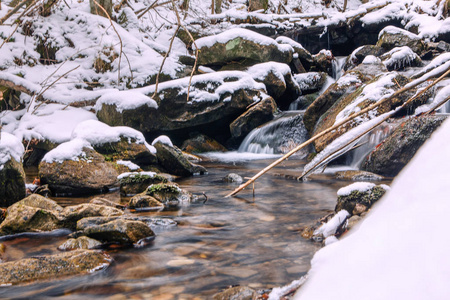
[
  {"x": 13, "y": 11},
  {"x": 336, "y": 126}
]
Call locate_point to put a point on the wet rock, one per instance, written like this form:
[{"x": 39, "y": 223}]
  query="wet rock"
[
  {"x": 172, "y": 159},
  {"x": 396, "y": 151},
  {"x": 83, "y": 242},
  {"x": 305, "y": 57},
  {"x": 359, "y": 54},
  {"x": 322, "y": 62},
  {"x": 143, "y": 201},
  {"x": 234, "y": 45},
  {"x": 169, "y": 193},
  {"x": 358, "y": 197},
  {"x": 2, "y": 252},
  {"x": 358, "y": 175},
  {"x": 43, "y": 190},
  {"x": 136, "y": 182},
  {"x": 310, "y": 82},
  {"x": 78, "y": 262},
  {"x": 72, "y": 214},
  {"x": 201, "y": 143},
  {"x": 256, "y": 115},
  {"x": 400, "y": 58},
  {"x": 233, "y": 177},
  {"x": 91, "y": 174},
  {"x": 119, "y": 231},
  {"x": 237, "y": 293},
  {"x": 12, "y": 181},
  {"x": 105, "y": 202},
  {"x": 33, "y": 214},
  {"x": 391, "y": 37}
]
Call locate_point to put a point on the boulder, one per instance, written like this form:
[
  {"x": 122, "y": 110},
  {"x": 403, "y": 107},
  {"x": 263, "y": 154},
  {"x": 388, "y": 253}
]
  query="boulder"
[
  {"x": 119, "y": 231},
  {"x": 89, "y": 174},
  {"x": 233, "y": 177},
  {"x": 305, "y": 57},
  {"x": 214, "y": 99},
  {"x": 78, "y": 262},
  {"x": 133, "y": 183},
  {"x": 33, "y": 214},
  {"x": 172, "y": 159},
  {"x": 238, "y": 44},
  {"x": 359, "y": 197},
  {"x": 360, "y": 53},
  {"x": 169, "y": 193},
  {"x": 72, "y": 214},
  {"x": 322, "y": 62},
  {"x": 396, "y": 151},
  {"x": 105, "y": 202},
  {"x": 12, "y": 175},
  {"x": 400, "y": 58},
  {"x": 201, "y": 143},
  {"x": 256, "y": 115},
  {"x": 83, "y": 242},
  {"x": 391, "y": 37},
  {"x": 145, "y": 202},
  {"x": 310, "y": 82}
]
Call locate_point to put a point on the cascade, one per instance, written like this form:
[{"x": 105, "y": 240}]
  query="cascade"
[
  {"x": 337, "y": 65},
  {"x": 277, "y": 136}
]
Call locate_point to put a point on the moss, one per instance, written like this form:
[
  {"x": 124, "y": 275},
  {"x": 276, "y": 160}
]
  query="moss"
[
  {"x": 141, "y": 178},
  {"x": 163, "y": 188}
]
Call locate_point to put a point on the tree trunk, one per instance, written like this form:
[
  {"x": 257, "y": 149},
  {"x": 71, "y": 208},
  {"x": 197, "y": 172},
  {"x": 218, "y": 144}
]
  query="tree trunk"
[{"x": 218, "y": 6}]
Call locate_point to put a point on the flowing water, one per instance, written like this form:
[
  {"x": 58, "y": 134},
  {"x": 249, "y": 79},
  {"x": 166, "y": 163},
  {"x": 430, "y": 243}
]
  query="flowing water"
[{"x": 244, "y": 240}]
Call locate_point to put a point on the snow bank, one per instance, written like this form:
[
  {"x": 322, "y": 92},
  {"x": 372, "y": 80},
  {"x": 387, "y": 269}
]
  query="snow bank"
[
  {"x": 400, "y": 251},
  {"x": 134, "y": 174},
  {"x": 71, "y": 150},
  {"x": 125, "y": 100},
  {"x": 10, "y": 146},
  {"x": 329, "y": 228}
]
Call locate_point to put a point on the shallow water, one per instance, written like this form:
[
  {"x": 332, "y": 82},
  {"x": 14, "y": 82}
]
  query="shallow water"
[{"x": 242, "y": 240}]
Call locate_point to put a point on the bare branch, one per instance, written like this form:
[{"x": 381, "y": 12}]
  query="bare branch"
[{"x": 13, "y": 11}]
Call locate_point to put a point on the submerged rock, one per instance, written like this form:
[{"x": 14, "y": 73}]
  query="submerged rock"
[
  {"x": 236, "y": 293},
  {"x": 233, "y": 177},
  {"x": 396, "y": 151},
  {"x": 90, "y": 174},
  {"x": 83, "y": 242},
  {"x": 78, "y": 262},
  {"x": 172, "y": 159},
  {"x": 358, "y": 175}
]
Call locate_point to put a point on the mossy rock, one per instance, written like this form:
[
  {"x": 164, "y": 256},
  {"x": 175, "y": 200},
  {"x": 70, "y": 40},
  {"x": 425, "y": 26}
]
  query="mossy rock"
[
  {"x": 169, "y": 193},
  {"x": 145, "y": 202},
  {"x": 357, "y": 198},
  {"x": 138, "y": 182}
]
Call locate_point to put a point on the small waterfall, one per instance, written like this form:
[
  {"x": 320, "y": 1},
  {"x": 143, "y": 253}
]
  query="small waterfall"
[
  {"x": 368, "y": 144},
  {"x": 277, "y": 136},
  {"x": 337, "y": 65}
]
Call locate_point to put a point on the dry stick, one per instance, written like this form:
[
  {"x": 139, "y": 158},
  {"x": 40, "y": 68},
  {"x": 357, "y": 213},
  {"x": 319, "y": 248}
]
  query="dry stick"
[
  {"x": 153, "y": 5},
  {"x": 164, "y": 60},
  {"x": 437, "y": 106},
  {"x": 118, "y": 35},
  {"x": 349, "y": 118},
  {"x": 9, "y": 37},
  {"x": 13, "y": 11}
]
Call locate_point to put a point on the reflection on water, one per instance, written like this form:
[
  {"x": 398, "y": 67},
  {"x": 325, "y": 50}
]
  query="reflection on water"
[{"x": 226, "y": 241}]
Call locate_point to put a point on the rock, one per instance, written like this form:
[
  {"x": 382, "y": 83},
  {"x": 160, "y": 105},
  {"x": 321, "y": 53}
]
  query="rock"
[
  {"x": 310, "y": 82},
  {"x": 322, "y": 62},
  {"x": 78, "y": 262},
  {"x": 352, "y": 221},
  {"x": 143, "y": 201},
  {"x": 400, "y": 58},
  {"x": 33, "y": 214},
  {"x": 391, "y": 37},
  {"x": 396, "y": 151},
  {"x": 201, "y": 143},
  {"x": 126, "y": 150},
  {"x": 105, "y": 202},
  {"x": 173, "y": 160},
  {"x": 12, "y": 175},
  {"x": 169, "y": 193},
  {"x": 119, "y": 231},
  {"x": 258, "y": 5},
  {"x": 72, "y": 214},
  {"x": 233, "y": 177},
  {"x": 238, "y": 44},
  {"x": 2, "y": 252},
  {"x": 305, "y": 57},
  {"x": 356, "y": 200},
  {"x": 136, "y": 182},
  {"x": 91, "y": 174},
  {"x": 357, "y": 175},
  {"x": 83, "y": 242},
  {"x": 359, "y": 54},
  {"x": 236, "y": 293},
  {"x": 256, "y": 115},
  {"x": 213, "y": 100}
]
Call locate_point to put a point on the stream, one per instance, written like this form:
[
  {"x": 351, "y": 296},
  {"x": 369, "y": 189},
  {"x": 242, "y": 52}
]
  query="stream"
[{"x": 244, "y": 240}]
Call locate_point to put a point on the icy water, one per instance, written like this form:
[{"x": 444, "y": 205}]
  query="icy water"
[{"x": 243, "y": 240}]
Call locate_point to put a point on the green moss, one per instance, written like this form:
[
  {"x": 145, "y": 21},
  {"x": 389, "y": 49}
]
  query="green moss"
[
  {"x": 163, "y": 188},
  {"x": 141, "y": 178}
]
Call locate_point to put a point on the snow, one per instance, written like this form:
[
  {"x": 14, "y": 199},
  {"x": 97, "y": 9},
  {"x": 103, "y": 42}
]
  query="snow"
[
  {"x": 329, "y": 228},
  {"x": 400, "y": 249},
  {"x": 307, "y": 80},
  {"x": 125, "y": 100},
  {"x": 163, "y": 139},
  {"x": 130, "y": 165},
  {"x": 395, "y": 30},
  {"x": 134, "y": 174},
  {"x": 371, "y": 60},
  {"x": 441, "y": 96},
  {"x": 72, "y": 150},
  {"x": 400, "y": 57},
  {"x": 260, "y": 71},
  {"x": 361, "y": 187},
  {"x": 10, "y": 146}
]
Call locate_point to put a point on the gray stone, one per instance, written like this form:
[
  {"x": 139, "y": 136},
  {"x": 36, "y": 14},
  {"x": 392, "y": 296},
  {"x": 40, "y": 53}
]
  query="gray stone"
[{"x": 12, "y": 182}]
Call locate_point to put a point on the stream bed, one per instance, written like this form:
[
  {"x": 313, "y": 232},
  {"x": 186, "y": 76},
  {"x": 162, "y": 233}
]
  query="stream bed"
[{"x": 241, "y": 240}]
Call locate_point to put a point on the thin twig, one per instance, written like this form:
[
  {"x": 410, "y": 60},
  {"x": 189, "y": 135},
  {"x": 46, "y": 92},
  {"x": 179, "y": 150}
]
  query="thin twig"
[
  {"x": 13, "y": 11},
  {"x": 153, "y": 5},
  {"x": 9, "y": 37}
]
